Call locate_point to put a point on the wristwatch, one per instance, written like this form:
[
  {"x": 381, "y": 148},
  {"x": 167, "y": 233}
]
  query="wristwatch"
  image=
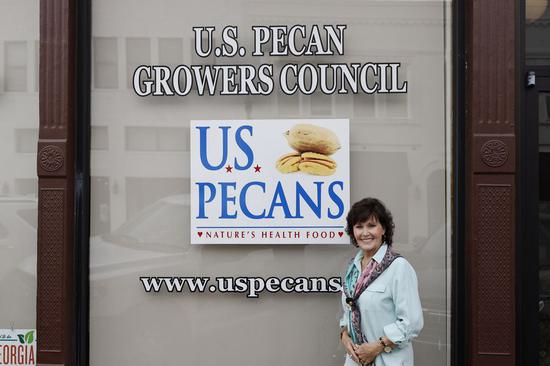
[{"x": 387, "y": 347}]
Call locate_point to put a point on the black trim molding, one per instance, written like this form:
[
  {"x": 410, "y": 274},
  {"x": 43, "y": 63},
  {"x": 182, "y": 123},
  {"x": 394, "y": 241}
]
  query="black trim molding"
[
  {"x": 82, "y": 181},
  {"x": 459, "y": 280}
]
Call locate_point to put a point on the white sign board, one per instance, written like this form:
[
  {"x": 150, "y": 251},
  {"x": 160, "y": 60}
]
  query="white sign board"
[
  {"x": 17, "y": 347},
  {"x": 269, "y": 181}
]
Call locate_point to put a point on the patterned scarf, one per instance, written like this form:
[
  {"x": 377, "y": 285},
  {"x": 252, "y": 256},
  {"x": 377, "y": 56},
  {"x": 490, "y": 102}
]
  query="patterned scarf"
[{"x": 354, "y": 285}]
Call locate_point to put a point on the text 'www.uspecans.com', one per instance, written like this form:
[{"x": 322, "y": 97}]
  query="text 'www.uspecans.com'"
[{"x": 251, "y": 286}]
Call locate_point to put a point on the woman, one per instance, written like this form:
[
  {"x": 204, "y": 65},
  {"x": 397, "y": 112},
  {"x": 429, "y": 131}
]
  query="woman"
[{"x": 382, "y": 312}]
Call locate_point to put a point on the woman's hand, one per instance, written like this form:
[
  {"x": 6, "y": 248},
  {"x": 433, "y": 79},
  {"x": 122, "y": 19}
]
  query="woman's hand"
[
  {"x": 350, "y": 346},
  {"x": 367, "y": 352}
]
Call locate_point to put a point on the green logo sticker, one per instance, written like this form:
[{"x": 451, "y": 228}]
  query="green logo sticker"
[{"x": 27, "y": 338}]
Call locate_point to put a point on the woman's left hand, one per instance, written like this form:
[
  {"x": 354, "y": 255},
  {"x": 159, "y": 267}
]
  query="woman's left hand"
[{"x": 367, "y": 352}]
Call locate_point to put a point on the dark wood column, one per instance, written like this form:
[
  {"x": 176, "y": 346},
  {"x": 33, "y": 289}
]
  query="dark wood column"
[
  {"x": 55, "y": 168},
  {"x": 491, "y": 118}
]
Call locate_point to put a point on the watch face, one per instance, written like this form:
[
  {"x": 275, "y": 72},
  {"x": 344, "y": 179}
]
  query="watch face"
[{"x": 387, "y": 349}]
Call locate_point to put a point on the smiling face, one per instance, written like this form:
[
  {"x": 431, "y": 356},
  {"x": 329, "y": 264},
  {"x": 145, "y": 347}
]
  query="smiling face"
[{"x": 368, "y": 235}]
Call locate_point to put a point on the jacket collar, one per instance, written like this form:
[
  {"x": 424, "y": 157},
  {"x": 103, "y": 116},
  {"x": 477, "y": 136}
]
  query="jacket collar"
[{"x": 378, "y": 256}]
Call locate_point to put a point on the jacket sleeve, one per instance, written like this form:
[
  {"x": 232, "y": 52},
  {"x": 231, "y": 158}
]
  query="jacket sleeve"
[{"x": 408, "y": 310}]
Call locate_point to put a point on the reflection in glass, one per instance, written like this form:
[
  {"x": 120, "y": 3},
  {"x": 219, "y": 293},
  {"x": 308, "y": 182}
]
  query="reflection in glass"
[
  {"x": 363, "y": 106},
  {"x": 15, "y": 66},
  {"x": 321, "y": 104},
  {"x": 138, "y": 52},
  {"x": 19, "y": 75},
  {"x": 105, "y": 69},
  {"x": 157, "y": 226},
  {"x": 170, "y": 51},
  {"x": 25, "y": 140},
  {"x": 100, "y": 138}
]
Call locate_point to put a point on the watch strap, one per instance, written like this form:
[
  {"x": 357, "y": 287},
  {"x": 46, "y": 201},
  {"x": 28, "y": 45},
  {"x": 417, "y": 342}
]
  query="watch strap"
[{"x": 386, "y": 347}]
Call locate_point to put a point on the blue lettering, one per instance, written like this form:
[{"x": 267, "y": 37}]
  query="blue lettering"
[
  {"x": 202, "y": 200},
  {"x": 244, "y": 147},
  {"x": 336, "y": 199},
  {"x": 225, "y": 198},
  {"x": 204, "y": 149},
  {"x": 279, "y": 200},
  {"x": 242, "y": 200},
  {"x": 302, "y": 194},
  {"x": 305, "y": 199}
]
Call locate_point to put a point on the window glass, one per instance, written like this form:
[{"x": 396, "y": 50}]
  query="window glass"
[
  {"x": 15, "y": 65},
  {"x": 100, "y": 138},
  {"x": 170, "y": 51},
  {"x": 4, "y": 233},
  {"x": 19, "y": 34},
  {"x": 105, "y": 64},
  {"x": 25, "y": 140},
  {"x": 399, "y": 152},
  {"x": 29, "y": 216},
  {"x": 138, "y": 52}
]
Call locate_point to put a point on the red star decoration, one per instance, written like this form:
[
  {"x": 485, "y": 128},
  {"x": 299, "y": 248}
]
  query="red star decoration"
[
  {"x": 257, "y": 168},
  {"x": 228, "y": 169}
]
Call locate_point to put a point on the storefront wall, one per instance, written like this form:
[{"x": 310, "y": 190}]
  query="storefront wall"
[
  {"x": 492, "y": 56},
  {"x": 140, "y": 167}
]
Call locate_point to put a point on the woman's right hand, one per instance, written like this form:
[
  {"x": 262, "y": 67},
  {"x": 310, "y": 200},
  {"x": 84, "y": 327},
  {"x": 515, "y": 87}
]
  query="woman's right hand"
[{"x": 350, "y": 346}]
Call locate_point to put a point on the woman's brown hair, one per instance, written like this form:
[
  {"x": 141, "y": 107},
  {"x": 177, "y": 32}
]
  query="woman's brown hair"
[{"x": 365, "y": 209}]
